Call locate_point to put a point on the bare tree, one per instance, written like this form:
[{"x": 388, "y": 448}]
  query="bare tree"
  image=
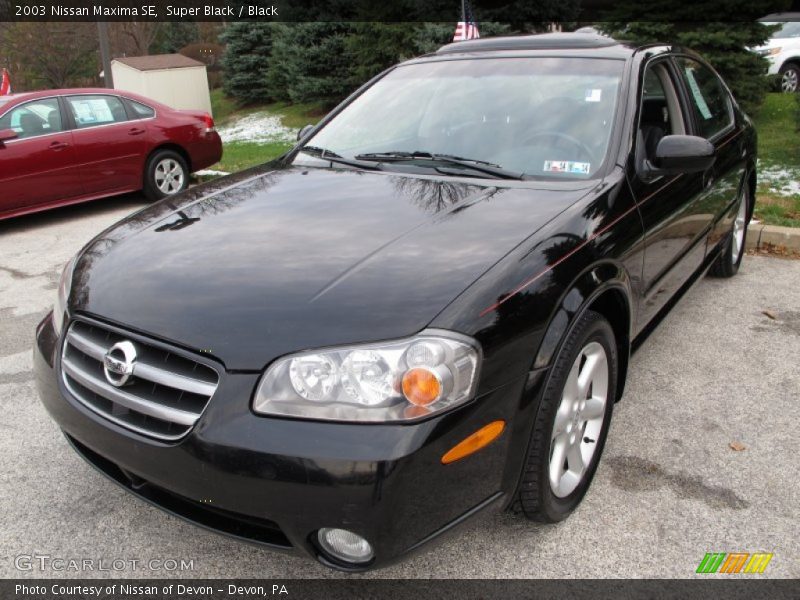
[
  {"x": 50, "y": 54},
  {"x": 133, "y": 38}
]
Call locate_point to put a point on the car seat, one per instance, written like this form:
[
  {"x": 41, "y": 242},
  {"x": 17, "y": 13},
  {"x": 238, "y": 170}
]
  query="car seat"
[
  {"x": 654, "y": 125},
  {"x": 31, "y": 125}
]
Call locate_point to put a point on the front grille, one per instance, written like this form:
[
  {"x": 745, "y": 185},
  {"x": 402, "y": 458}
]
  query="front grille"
[{"x": 164, "y": 395}]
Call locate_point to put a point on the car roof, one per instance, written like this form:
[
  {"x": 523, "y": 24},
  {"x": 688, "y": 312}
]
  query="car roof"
[
  {"x": 781, "y": 17},
  {"x": 25, "y": 96},
  {"x": 588, "y": 44}
]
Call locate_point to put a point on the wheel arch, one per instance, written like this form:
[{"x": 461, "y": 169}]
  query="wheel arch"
[
  {"x": 606, "y": 289},
  {"x": 792, "y": 60},
  {"x": 175, "y": 148}
]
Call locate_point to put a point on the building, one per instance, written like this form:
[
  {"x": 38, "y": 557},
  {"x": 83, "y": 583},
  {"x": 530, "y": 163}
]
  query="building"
[{"x": 172, "y": 79}]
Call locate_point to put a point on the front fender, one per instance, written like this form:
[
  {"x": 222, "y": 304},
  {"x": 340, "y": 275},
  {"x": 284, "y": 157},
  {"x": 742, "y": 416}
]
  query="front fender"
[{"x": 588, "y": 287}]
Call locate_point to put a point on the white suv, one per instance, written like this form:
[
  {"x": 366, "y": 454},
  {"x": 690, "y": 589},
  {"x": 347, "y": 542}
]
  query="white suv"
[{"x": 783, "y": 51}]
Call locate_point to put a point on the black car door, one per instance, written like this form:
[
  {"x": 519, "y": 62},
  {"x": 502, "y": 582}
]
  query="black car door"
[
  {"x": 675, "y": 222},
  {"x": 714, "y": 118}
]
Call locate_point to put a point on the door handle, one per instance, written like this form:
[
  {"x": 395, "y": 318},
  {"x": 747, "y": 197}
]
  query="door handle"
[
  {"x": 58, "y": 145},
  {"x": 135, "y": 131}
]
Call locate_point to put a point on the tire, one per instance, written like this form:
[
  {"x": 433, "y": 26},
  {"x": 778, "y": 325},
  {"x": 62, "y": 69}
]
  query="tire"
[
  {"x": 789, "y": 78},
  {"x": 541, "y": 497},
  {"x": 165, "y": 174},
  {"x": 729, "y": 260}
]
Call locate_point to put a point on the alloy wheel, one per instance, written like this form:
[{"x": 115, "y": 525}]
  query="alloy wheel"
[
  {"x": 579, "y": 419},
  {"x": 789, "y": 81},
  {"x": 739, "y": 225},
  {"x": 169, "y": 176}
]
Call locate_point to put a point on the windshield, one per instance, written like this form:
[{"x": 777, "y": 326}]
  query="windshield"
[
  {"x": 539, "y": 117},
  {"x": 790, "y": 29}
]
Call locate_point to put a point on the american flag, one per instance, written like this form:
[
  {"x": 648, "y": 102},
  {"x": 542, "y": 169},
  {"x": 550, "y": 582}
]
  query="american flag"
[
  {"x": 467, "y": 29},
  {"x": 5, "y": 84}
]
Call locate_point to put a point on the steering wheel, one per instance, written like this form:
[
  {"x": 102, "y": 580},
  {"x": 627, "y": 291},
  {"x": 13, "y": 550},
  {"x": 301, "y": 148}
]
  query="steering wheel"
[{"x": 564, "y": 136}]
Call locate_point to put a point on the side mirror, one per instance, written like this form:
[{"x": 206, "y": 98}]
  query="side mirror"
[
  {"x": 681, "y": 154},
  {"x": 7, "y": 134},
  {"x": 304, "y": 131}
]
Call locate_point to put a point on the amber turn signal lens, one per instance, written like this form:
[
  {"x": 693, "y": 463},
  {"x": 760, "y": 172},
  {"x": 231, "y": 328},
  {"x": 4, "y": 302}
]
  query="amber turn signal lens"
[
  {"x": 481, "y": 438},
  {"x": 421, "y": 387}
]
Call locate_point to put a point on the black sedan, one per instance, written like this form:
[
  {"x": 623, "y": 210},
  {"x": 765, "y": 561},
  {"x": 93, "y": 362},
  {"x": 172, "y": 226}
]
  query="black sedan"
[{"x": 423, "y": 311}]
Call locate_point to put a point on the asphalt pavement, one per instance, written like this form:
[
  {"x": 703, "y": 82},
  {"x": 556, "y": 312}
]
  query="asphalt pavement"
[{"x": 722, "y": 369}]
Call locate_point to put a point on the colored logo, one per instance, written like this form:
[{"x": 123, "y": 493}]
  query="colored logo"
[{"x": 734, "y": 562}]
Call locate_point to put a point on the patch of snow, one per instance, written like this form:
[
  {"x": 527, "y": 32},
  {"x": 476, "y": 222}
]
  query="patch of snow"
[
  {"x": 211, "y": 172},
  {"x": 259, "y": 128},
  {"x": 780, "y": 180}
]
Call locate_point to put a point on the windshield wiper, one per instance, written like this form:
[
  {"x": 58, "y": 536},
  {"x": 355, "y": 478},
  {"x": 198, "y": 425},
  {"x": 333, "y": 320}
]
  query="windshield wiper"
[
  {"x": 331, "y": 156},
  {"x": 470, "y": 163}
]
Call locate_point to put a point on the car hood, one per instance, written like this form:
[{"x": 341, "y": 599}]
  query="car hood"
[{"x": 272, "y": 262}]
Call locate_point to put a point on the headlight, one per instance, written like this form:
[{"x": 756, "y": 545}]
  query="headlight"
[
  {"x": 60, "y": 305},
  {"x": 769, "y": 51},
  {"x": 388, "y": 381}
]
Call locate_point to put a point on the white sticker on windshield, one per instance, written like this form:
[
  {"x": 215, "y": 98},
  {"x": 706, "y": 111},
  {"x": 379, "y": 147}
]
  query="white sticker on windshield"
[
  {"x": 594, "y": 95},
  {"x": 567, "y": 166},
  {"x": 698, "y": 95}
]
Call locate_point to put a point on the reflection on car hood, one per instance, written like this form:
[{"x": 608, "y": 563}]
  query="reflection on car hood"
[{"x": 303, "y": 258}]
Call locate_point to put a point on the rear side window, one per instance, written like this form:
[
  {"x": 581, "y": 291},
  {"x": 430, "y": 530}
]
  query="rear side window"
[
  {"x": 141, "y": 111},
  {"x": 35, "y": 118},
  {"x": 708, "y": 97},
  {"x": 90, "y": 111}
]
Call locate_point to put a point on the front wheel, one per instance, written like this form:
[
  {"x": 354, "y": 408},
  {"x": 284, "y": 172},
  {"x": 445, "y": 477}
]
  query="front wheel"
[
  {"x": 790, "y": 78},
  {"x": 730, "y": 259},
  {"x": 166, "y": 174},
  {"x": 572, "y": 422}
]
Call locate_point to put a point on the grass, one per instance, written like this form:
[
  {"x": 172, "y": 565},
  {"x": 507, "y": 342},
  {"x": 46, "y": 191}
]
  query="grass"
[
  {"x": 778, "y": 210},
  {"x": 222, "y": 107},
  {"x": 778, "y": 138},
  {"x": 778, "y": 149},
  {"x": 291, "y": 115},
  {"x": 241, "y": 155},
  {"x": 297, "y": 115}
]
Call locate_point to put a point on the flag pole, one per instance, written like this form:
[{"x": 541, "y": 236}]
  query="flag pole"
[{"x": 463, "y": 11}]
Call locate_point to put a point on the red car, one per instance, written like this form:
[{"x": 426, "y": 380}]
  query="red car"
[{"x": 60, "y": 147}]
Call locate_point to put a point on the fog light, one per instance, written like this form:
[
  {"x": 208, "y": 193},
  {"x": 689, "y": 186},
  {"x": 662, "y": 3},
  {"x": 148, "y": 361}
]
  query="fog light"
[{"x": 345, "y": 545}]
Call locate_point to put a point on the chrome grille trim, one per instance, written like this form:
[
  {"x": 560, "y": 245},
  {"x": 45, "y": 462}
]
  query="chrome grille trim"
[
  {"x": 144, "y": 370},
  {"x": 167, "y": 391},
  {"x": 128, "y": 400}
]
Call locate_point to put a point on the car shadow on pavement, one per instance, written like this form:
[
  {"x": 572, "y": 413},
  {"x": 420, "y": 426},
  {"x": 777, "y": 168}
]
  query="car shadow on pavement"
[{"x": 54, "y": 216}]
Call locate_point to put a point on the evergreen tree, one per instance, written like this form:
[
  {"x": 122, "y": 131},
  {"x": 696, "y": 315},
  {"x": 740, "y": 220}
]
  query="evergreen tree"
[
  {"x": 278, "y": 74},
  {"x": 311, "y": 60},
  {"x": 724, "y": 45},
  {"x": 429, "y": 37},
  {"x": 247, "y": 60}
]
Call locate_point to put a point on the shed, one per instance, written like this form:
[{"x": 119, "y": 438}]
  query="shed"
[{"x": 172, "y": 79}]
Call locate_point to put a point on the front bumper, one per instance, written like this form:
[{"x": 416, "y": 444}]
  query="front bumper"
[
  {"x": 277, "y": 481},
  {"x": 775, "y": 63}
]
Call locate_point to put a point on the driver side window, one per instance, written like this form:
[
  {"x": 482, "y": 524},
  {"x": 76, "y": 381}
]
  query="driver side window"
[
  {"x": 35, "y": 118},
  {"x": 660, "y": 112}
]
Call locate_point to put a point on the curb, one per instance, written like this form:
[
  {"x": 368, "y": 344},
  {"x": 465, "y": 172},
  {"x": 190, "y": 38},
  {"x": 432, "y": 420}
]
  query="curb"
[{"x": 761, "y": 237}]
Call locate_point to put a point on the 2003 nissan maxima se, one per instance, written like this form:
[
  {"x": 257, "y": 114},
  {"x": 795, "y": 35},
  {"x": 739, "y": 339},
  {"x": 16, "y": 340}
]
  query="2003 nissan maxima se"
[{"x": 422, "y": 311}]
